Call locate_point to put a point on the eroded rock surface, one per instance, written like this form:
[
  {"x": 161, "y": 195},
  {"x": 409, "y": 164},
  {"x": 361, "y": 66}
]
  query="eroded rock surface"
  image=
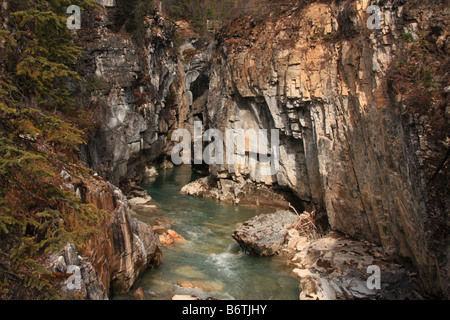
[
  {"x": 114, "y": 259},
  {"x": 134, "y": 91},
  {"x": 265, "y": 234},
  {"x": 330, "y": 266},
  {"x": 69, "y": 263},
  {"x": 347, "y": 143},
  {"x": 243, "y": 192},
  {"x": 335, "y": 267},
  {"x": 129, "y": 245}
]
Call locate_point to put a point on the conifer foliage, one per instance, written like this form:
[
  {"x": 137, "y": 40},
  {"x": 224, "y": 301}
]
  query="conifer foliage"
[
  {"x": 38, "y": 139},
  {"x": 197, "y": 12}
]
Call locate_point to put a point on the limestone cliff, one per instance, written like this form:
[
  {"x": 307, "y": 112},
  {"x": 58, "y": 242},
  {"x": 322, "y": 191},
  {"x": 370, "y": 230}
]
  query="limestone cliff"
[
  {"x": 348, "y": 143},
  {"x": 132, "y": 88}
]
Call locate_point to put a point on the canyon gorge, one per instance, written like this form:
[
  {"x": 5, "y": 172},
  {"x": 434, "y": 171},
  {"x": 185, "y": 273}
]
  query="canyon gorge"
[{"x": 363, "y": 152}]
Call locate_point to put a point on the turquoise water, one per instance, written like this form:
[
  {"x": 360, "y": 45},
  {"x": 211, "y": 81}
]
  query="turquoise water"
[{"x": 209, "y": 256}]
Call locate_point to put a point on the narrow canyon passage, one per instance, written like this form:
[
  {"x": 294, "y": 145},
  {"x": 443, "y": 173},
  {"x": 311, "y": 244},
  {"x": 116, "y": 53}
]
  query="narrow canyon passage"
[
  {"x": 337, "y": 110},
  {"x": 210, "y": 257}
]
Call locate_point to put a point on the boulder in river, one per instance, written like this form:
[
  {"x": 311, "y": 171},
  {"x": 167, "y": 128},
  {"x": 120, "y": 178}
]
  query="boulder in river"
[
  {"x": 176, "y": 236},
  {"x": 142, "y": 204},
  {"x": 167, "y": 237},
  {"x": 139, "y": 294},
  {"x": 265, "y": 234}
]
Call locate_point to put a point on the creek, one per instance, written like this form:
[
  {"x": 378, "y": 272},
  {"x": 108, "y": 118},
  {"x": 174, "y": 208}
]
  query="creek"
[{"x": 210, "y": 256}]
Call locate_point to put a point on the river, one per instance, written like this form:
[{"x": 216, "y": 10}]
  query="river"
[{"x": 209, "y": 256}]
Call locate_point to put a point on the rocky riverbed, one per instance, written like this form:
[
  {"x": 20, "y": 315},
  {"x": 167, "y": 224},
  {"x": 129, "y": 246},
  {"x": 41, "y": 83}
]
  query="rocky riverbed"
[
  {"x": 330, "y": 266},
  {"x": 207, "y": 262}
]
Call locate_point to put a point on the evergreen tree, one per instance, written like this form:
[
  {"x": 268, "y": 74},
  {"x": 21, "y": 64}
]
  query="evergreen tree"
[
  {"x": 130, "y": 15},
  {"x": 198, "y": 11},
  {"x": 38, "y": 138}
]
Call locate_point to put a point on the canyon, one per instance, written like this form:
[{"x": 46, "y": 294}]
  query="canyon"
[
  {"x": 349, "y": 147},
  {"x": 363, "y": 152}
]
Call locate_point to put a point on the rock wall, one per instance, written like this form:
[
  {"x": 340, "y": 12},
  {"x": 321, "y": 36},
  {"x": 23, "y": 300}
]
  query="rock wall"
[
  {"x": 318, "y": 74},
  {"x": 132, "y": 88},
  {"x": 111, "y": 261},
  {"x": 128, "y": 246}
]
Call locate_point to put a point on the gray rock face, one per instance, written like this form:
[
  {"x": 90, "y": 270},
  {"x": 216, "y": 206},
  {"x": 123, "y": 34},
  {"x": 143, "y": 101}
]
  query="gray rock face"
[
  {"x": 87, "y": 285},
  {"x": 131, "y": 89},
  {"x": 265, "y": 234},
  {"x": 346, "y": 144},
  {"x": 242, "y": 192},
  {"x": 140, "y": 94}
]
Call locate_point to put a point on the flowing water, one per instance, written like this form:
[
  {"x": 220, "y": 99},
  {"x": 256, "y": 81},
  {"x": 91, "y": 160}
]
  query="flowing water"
[{"x": 209, "y": 256}]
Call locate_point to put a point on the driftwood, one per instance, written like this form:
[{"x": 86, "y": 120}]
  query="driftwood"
[{"x": 306, "y": 225}]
